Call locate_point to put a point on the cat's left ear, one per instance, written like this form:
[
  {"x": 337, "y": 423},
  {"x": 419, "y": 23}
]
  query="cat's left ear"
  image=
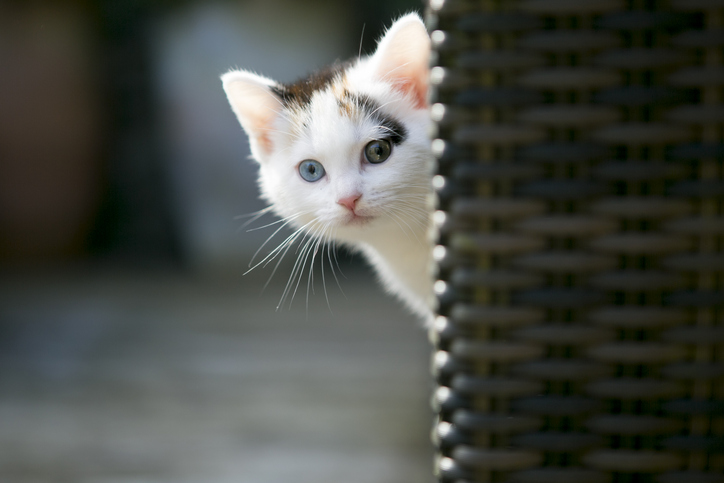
[
  {"x": 256, "y": 106},
  {"x": 403, "y": 58}
]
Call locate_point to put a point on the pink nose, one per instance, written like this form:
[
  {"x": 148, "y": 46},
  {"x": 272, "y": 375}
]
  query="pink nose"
[{"x": 349, "y": 202}]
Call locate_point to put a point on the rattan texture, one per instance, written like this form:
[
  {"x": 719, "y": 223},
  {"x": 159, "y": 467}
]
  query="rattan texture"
[{"x": 581, "y": 253}]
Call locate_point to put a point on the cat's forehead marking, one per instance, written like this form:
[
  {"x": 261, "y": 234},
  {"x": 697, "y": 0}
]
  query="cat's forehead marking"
[
  {"x": 354, "y": 105},
  {"x": 362, "y": 106},
  {"x": 331, "y": 87},
  {"x": 299, "y": 93}
]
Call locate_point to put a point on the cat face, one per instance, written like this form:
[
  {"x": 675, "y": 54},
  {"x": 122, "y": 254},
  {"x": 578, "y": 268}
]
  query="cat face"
[{"x": 344, "y": 153}]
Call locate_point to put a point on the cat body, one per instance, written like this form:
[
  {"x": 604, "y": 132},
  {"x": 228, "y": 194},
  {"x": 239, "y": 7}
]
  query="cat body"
[{"x": 345, "y": 157}]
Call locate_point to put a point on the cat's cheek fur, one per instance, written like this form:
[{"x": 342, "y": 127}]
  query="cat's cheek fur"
[{"x": 288, "y": 195}]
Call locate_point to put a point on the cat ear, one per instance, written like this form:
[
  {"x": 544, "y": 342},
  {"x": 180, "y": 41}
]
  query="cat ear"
[
  {"x": 403, "y": 57},
  {"x": 256, "y": 107}
]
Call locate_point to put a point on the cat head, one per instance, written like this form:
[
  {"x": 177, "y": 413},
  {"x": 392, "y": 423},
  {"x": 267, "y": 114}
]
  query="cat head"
[{"x": 348, "y": 146}]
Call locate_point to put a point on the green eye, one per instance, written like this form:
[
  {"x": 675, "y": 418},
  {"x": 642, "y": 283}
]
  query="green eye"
[
  {"x": 378, "y": 151},
  {"x": 311, "y": 170}
]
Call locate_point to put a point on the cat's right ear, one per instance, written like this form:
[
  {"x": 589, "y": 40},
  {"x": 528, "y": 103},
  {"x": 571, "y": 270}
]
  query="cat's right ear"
[{"x": 256, "y": 106}]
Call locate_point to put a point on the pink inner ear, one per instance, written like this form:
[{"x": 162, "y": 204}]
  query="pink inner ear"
[
  {"x": 402, "y": 58},
  {"x": 416, "y": 88},
  {"x": 264, "y": 143},
  {"x": 258, "y": 123}
]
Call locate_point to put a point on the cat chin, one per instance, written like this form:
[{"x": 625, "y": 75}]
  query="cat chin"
[
  {"x": 354, "y": 221},
  {"x": 358, "y": 217},
  {"x": 357, "y": 220},
  {"x": 356, "y": 229}
]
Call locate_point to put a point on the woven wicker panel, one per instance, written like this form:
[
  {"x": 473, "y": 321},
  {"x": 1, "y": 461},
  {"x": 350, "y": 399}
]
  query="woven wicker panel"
[{"x": 581, "y": 252}]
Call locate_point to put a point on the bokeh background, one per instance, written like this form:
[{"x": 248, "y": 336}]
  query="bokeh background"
[{"x": 132, "y": 349}]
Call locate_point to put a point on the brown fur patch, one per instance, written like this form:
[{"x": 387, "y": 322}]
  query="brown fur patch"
[
  {"x": 299, "y": 93},
  {"x": 345, "y": 103}
]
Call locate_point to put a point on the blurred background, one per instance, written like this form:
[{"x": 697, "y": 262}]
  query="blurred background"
[{"x": 132, "y": 349}]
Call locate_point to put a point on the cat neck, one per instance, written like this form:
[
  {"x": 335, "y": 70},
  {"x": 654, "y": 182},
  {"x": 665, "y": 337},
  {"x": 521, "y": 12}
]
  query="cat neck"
[{"x": 403, "y": 261}]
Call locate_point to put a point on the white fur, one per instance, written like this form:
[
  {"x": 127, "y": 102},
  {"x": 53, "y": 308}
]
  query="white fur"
[{"x": 395, "y": 196}]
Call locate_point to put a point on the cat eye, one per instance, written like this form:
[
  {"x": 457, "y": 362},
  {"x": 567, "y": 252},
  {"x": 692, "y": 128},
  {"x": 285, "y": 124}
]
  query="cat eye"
[
  {"x": 311, "y": 170},
  {"x": 378, "y": 151}
]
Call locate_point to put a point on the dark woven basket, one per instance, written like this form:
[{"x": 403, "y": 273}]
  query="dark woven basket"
[{"x": 581, "y": 257}]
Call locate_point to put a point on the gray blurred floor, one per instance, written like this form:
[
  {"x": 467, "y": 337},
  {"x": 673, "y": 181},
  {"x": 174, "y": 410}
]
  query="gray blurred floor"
[{"x": 159, "y": 377}]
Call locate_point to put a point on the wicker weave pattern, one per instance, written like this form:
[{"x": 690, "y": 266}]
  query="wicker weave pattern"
[{"x": 581, "y": 258}]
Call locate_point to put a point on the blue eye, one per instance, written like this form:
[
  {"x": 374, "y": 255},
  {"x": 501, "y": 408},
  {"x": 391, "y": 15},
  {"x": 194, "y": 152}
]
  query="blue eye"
[{"x": 311, "y": 170}]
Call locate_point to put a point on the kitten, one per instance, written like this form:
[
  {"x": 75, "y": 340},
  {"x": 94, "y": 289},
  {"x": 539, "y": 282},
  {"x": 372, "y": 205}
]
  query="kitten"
[{"x": 345, "y": 156}]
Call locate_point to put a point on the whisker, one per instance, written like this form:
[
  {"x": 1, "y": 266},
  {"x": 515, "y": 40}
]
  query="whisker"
[
  {"x": 255, "y": 214},
  {"x": 332, "y": 250},
  {"x": 285, "y": 245},
  {"x": 292, "y": 277},
  {"x": 419, "y": 221},
  {"x": 397, "y": 219},
  {"x": 281, "y": 220},
  {"x": 298, "y": 268},
  {"x": 321, "y": 259},
  {"x": 304, "y": 256},
  {"x": 289, "y": 245},
  {"x": 288, "y": 220},
  {"x": 361, "y": 38},
  {"x": 310, "y": 278}
]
